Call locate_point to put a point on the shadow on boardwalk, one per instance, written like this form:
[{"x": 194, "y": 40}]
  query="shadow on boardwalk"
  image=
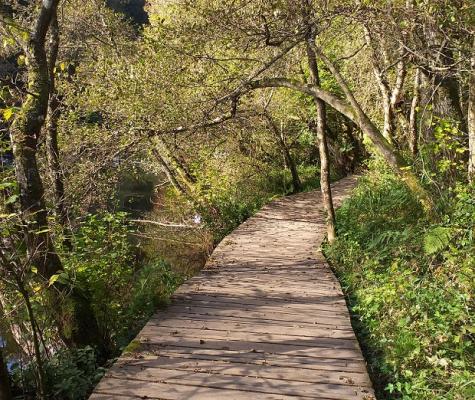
[{"x": 266, "y": 319}]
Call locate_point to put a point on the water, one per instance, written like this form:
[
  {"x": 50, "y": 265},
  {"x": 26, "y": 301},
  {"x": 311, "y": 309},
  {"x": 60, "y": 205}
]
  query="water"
[{"x": 10, "y": 360}]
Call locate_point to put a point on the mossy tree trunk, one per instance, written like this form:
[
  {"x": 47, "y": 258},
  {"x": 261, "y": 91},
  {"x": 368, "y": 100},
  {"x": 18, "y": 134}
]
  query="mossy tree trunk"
[{"x": 76, "y": 321}]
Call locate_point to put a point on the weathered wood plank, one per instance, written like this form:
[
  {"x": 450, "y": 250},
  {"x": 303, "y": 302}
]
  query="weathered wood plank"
[
  {"x": 151, "y": 331},
  {"x": 246, "y": 356},
  {"x": 257, "y": 347},
  {"x": 207, "y": 322},
  {"x": 238, "y": 383},
  {"x": 309, "y": 317},
  {"x": 112, "y": 388},
  {"x": 333, "y": 304},
  {"x": 228, "y": 367}
]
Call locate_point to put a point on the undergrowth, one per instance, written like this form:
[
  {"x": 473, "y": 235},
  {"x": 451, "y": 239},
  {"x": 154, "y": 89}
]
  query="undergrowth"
[{"x": 410, "y": 285}]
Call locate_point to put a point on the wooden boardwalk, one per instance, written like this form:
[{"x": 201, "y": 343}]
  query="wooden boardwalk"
[{"x": 266, "y": 319}]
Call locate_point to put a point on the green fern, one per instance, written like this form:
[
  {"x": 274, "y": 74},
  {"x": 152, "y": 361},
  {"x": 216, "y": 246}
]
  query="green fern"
[{"x": 437, "y": 239}]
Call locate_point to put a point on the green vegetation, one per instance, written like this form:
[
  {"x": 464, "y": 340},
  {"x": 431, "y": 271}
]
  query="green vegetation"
[{"x": 410, "y": 285}]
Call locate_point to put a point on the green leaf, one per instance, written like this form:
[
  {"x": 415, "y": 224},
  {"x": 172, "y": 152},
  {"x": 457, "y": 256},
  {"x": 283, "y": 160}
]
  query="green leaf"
[
  {"x": 12, "y": 199},
  {"x": 7, "y": 113},
  {"x": 53, "y": 279},
  {"x": 437, "y": 239},
  {"x": 21, "y": 60},
  {"x": 6, "y": 185},
  {"x": 42, "y": 231}
]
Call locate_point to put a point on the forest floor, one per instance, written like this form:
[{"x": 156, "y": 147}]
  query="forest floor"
[{"x": 265, "y": 319}]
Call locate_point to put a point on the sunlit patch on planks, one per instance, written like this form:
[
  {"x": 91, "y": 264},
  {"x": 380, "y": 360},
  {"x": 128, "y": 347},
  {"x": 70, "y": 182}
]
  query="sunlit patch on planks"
[{"x": 266, "y": 319}]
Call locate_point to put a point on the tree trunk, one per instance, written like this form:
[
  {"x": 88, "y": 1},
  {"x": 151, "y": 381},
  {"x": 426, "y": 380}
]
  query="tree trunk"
[
  {"x": 168, "y": 170},
  {"x": 5, "y": 390},
  {"x": 181, "y": 169},
  {"x": 40, "y": 372},
  {"x": 81, "y": 326},
  {"x": 413, "y": 135},
  {"x": 321, "y": 131},
  {"x": 388, "y": 97},
  {"x": 52, "y": 148},
  {"x": 289, "y": 161},
  {"x": 24, "y": 135},
  {"x": 391, "y": 156},
  {"x": 471, "y": 118},
  {"x": 325, "y": 170}
]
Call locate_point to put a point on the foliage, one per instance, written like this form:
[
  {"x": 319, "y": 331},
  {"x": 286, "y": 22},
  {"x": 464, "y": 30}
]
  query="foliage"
[
  {"x": 410, "y": 286},
  {"x": 105, "y": 262},
  {"x": 70, "y": 374}
]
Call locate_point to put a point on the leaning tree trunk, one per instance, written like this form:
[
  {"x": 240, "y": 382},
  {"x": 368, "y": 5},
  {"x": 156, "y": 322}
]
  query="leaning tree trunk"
[
  {"x": 177, "y": 165},
  {"x": 471, "y": 119},
  {"x": 5, "y": 390},
  {"x": 386, "y": 149},
  {"x": 167, "y": 169}
]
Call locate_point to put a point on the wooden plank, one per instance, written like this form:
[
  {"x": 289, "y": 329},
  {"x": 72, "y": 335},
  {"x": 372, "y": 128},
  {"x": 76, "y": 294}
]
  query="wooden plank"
[
  {"x": 228, "y": 367},
  {"x": 151, "y": 331},
  {"x": 332, "y": 300},
  {"x": 238, "y": 383},
  {"x": 251, "y": 357},
  {"x": 258, "y": 347},
  {"x": 301, "y": 317},
  {"x": 206, "y": 322},
  {"x": 264, "y": 294},
  {"x": 336, "y": 304},
  {"x": 262, "y": 306},
  {"x": 284, "y": 319},
  {"x": 255, "y": 279},
  {"x": 112, "y": 388}
]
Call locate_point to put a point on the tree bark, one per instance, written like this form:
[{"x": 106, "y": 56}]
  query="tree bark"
[
  {"x": 289, "y": 161},
  {"x": 5, "y": 389},
  {"x": 413, "y": 135},
  {"x": 52, "y": 148},
  {"x": 471, "y": 118},
  {"x": 181, "y": 169},
  {"x": 24, "y": 135},
  {"x": 81, "y": 326},
  {"x": 168, "y": 170},
  {"x": 321, "y": 138},
  {"x": 383, "y": 84}
]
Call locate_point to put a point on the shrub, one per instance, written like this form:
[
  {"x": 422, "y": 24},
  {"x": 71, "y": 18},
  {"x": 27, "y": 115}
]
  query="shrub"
[{"x": 124, "y": 290}]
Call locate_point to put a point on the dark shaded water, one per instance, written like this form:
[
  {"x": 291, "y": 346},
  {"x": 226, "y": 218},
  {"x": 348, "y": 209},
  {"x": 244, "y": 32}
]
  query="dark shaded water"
[
  {"x": 135, "y": 9},
  {"x": 8, "y": 352}
]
